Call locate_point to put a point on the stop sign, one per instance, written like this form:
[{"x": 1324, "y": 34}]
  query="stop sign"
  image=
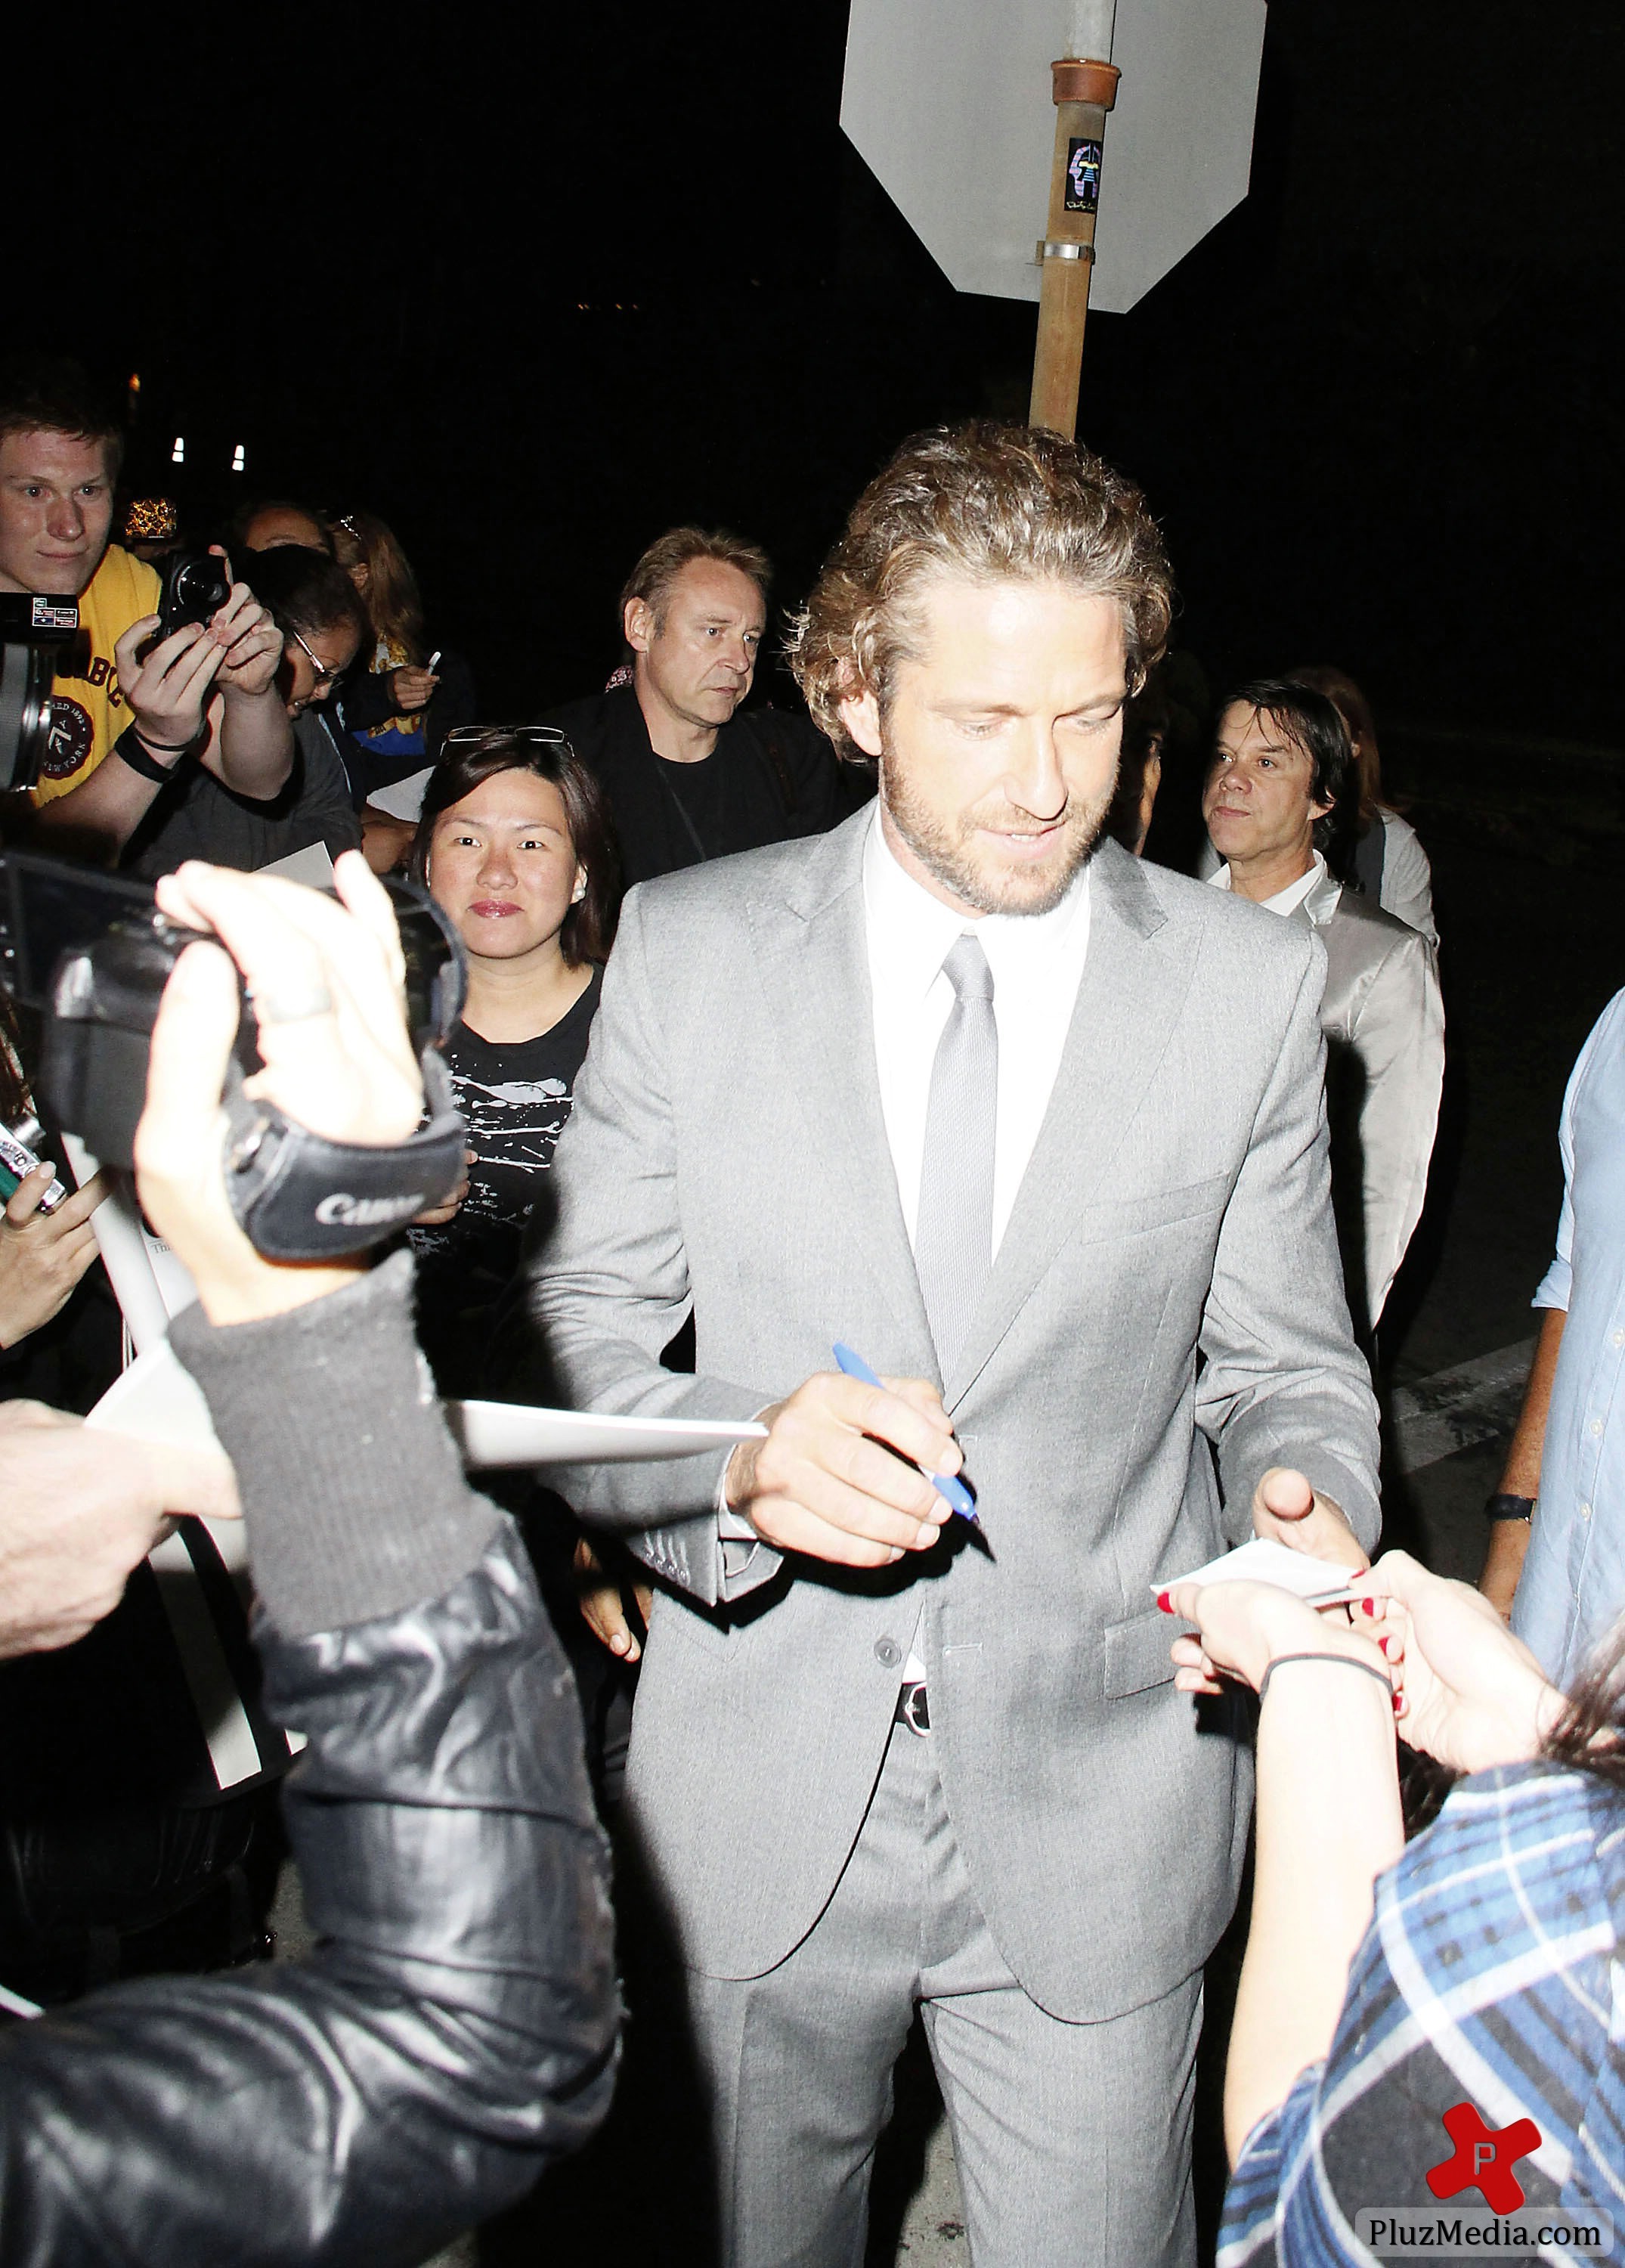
[{"x": 949, "y": 103}]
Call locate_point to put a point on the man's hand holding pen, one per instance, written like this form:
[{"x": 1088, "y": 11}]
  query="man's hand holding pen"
[{"x": 844, "y": 1472}]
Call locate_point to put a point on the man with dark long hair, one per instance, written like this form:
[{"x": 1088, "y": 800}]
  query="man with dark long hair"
[{"x": 1281, "y": 807}]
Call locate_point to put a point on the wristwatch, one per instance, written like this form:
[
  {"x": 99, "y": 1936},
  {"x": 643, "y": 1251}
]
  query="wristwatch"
[{"x": 1509, "y": 1507}]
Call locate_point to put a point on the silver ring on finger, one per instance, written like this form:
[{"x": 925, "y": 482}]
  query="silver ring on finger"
[{"x": 293, "y": 1007}]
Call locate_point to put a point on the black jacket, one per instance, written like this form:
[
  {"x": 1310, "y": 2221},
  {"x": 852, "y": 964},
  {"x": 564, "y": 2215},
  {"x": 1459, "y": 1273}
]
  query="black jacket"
[
  {"x": 454, "y": 2028},
  {"x": 771, "y": 776}
]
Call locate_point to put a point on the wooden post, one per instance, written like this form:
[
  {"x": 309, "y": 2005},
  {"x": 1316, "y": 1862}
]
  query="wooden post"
[{"x": 1084, "y": 92}]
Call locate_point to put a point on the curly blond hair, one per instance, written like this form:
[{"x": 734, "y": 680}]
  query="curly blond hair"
[{"x": 983, "y": 501}]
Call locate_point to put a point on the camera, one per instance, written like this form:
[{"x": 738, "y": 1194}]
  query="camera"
[
  {"x": 94, "y": 952},
  {"x": 196, "y": 585},
  {"x": 39, "y": 634}
]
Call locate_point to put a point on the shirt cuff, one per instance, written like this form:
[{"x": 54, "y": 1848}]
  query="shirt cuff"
[{"x": 737, "y": 1541}]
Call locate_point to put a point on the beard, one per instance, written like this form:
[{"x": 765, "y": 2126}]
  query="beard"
[{"x": 958, "y": 853}]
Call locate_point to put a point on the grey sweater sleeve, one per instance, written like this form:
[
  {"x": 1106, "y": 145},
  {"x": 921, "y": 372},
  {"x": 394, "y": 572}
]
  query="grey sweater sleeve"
[{"x": 351, "y": 1486}]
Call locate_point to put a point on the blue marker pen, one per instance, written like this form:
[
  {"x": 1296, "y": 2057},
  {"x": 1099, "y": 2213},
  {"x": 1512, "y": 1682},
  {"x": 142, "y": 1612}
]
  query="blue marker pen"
[{"x": 949, "y": 1486}]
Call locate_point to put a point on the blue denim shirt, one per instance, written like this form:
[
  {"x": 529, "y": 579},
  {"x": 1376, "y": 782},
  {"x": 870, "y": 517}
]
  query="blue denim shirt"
[{"x": 1573, "y": 1583}]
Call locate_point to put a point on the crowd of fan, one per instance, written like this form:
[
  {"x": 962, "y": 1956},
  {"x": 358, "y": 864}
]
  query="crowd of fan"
[{"x": 314, "y": 716}]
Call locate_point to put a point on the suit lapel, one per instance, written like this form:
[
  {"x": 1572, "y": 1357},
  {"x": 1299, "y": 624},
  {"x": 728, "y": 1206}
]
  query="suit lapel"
[
  {"x": 1134, "y": 984},
  {"x": 813, "y": 966}
]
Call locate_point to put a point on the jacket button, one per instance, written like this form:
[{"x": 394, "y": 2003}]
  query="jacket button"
[{"x": 888, "y": 1651}]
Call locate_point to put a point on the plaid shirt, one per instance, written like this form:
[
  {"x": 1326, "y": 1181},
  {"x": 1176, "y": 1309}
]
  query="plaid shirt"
[{"x": 1491, "y": 1974}]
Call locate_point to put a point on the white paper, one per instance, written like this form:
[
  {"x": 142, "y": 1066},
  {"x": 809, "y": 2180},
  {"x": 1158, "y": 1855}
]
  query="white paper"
[
  {"x": 1263, "y": 1560},
  {"x": 492, "y": 1434},
  {"x": 402, "y": 798},
  {"x": 312, "y": 865},
  {"x": 158, "y": 1399},
  {"x": 148, "y": 1281}
]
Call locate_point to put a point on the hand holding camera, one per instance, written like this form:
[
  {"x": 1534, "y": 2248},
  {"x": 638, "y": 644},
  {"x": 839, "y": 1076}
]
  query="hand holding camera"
[
  {"x": 318, "y": 1156},
  {"x": 208, "y": 631},
  {"x": 327, "y": 981},
  {"x": 167, "y": 690},
  {"x": 252, "y": 642}
]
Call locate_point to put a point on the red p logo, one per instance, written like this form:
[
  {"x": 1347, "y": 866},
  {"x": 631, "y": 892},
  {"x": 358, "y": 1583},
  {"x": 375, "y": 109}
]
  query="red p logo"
[{"x": 1484, "y": 2158}]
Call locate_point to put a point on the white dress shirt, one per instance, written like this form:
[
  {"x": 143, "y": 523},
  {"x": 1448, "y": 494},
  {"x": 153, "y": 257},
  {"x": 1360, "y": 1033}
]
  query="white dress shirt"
[
  {"x": 1284, "y": 901},
  {"x": 1037, "y": 961}
]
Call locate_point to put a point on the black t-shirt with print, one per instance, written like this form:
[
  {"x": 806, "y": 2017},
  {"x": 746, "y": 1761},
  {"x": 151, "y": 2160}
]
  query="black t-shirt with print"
[{"x": 515, "y": 1096}]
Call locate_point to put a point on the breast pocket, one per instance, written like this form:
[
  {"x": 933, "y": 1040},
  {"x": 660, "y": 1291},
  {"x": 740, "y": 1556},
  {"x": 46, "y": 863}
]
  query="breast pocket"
[{"x": 1127, "y": 1217}]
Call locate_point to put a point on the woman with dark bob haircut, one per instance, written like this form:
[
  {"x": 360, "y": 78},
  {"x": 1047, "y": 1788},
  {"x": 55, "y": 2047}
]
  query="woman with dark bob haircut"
[{"x": 515, "y": 845}]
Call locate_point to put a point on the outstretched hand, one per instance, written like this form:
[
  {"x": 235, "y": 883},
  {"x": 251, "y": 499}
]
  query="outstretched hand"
[
  {"x": 79, "y": 1509},
  {"x": 1288, "y": 1511},
  {"x": 1243, "y": 1627},
  {"x": 1474, "y": 1695}
]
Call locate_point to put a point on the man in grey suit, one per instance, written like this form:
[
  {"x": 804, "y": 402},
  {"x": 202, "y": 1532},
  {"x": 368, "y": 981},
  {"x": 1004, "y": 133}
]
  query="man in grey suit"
[{"x": 1039, "y": 1132}]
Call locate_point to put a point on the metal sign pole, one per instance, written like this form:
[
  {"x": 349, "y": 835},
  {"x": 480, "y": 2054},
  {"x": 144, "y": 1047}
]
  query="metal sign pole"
[{"x": 1084, "y": 92}]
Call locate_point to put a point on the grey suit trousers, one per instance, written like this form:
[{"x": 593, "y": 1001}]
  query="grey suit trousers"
[{"x": 1072, "y": 2139}]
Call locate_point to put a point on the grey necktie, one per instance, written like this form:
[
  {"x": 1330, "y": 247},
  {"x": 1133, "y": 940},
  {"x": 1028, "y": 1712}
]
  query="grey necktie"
[{"x": 953, "y": 1231}]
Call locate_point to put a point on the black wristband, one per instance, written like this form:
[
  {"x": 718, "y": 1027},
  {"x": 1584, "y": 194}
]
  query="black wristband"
[
  {"x": 1509, "y": 1507},
  {"x": 175, "y": 747},
  {"x": 130, "y": 749},
  {"x": 1348, "y": 1661}
]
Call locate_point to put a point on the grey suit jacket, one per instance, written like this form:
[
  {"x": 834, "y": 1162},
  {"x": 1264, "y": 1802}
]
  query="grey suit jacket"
[
  {"x": 1383, "y": 1015},
  {"x": 1169, "y": 1277}
]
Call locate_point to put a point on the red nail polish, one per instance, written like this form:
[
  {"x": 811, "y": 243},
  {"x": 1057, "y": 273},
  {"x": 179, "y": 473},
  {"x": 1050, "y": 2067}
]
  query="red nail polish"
[
  {"x": 1368, "y": 1606},
  {"x": 1165, "y": 1602},
  {"x": 1399, "y": 1704}
]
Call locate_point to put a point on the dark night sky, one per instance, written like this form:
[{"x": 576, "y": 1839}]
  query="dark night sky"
[{"x": 1378, "y": 410}]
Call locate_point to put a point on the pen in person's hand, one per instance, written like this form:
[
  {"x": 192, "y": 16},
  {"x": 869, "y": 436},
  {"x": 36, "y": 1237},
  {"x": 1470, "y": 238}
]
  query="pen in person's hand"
[
  {"x": 433, "y": 657},
  {"x": 953, "y": 1490}
]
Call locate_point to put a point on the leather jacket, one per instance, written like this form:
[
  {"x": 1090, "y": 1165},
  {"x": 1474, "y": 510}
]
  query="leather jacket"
[{"x": 454, "y": 2030}]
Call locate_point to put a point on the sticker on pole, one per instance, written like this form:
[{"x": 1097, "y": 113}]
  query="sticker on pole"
[{"x": 1083, "y": 174}]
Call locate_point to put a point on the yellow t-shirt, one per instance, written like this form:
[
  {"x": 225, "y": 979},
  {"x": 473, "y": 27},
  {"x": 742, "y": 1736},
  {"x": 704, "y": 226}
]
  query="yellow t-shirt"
[{"x": 88, "y": 712}]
